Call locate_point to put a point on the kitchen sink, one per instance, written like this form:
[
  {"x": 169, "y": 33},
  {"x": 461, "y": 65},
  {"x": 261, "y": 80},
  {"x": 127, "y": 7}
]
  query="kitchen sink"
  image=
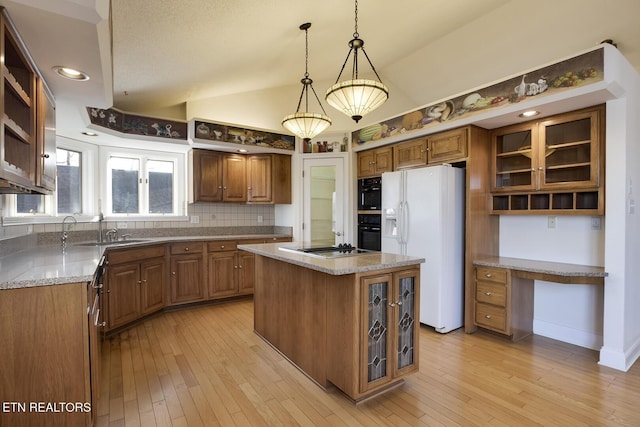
[{"x": 105, "y": 243}]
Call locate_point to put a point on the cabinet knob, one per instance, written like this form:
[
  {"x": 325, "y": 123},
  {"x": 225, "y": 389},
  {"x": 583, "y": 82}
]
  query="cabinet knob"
[
  {"x": 392, "y": 304},
  {"x": 540, "y": 168},
  {"x": 488, "y": 294},
  {"x": 45, "y": 156},
  {"x": 239, "y": 266},
  {"x": 173, "y": 273},
  {"x": 399, "y": 303},
  {"x": 235, "y": 266},
  {"x": 102, "y": 325},
  {"x": 488, "y": 316},
  {"x": 139, "y": 282},
  {"x": 219, "y": 187},
  {"x": 488, "y": 275},
  {"x": 144, "y": 281},
  {"x": 186, "y": 249},
  {"x": 221, "y": 246}
]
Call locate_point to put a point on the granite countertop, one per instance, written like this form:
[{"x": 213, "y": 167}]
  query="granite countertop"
[
  {"x": 542, "y": 267},
  {"x": 335, "y": 266},
  {"x": 77, "y": 262}
]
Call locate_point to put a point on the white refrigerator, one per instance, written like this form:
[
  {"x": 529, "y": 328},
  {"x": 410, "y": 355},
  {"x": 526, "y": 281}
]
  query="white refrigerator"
[{"x": 423, "y": 216}]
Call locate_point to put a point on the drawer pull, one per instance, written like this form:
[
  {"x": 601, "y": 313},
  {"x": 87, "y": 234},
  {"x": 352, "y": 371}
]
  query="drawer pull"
[
  {"x": 488, "y": 294},
  {"x": 186, "y": 249},
  {"x": 221, "y": 246},
  {"x": 487, "y": 316},
  {"x": 488, "y": 275}
]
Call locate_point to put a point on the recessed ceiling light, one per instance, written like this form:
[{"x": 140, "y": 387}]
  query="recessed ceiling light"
[
  {"x": 89, "y": 133},
  {"x": 71, "y": 73},
  {"x": 530, "y": 113}
]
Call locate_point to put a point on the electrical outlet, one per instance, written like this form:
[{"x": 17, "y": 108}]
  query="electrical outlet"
[
  {"x": 260, "y": 219},
  {"x": 121, "y": 225},
  {"x": 596, "y": 223},
  {"x": 194, "y": 219},
  {"x": 551, "y": 221}
]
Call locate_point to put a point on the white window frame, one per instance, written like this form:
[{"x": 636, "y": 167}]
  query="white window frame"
[
  {"x": 89, "y": 163},
  {"x": 179, "y": 184}
]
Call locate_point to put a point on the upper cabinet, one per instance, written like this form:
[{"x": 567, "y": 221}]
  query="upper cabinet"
[
  {"x": 269, "y": 178},
  {"x": 555, "y": 163},
  {"x": 449, "y": 146},
  {"x": 236, "y": 178},
  {"x": 375, "y": 161},
  {"x": 27, "y": 145}
]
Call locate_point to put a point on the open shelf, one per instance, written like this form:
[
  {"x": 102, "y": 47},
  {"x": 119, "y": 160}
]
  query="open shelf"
[{"x": 587, "y": 202}]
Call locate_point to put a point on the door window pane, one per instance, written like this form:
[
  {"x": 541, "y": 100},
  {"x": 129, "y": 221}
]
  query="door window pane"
[
  {"x": 69, "y": 181},
  {"x": 160, "y": 186},
  {"x": 125, "y": 176}
]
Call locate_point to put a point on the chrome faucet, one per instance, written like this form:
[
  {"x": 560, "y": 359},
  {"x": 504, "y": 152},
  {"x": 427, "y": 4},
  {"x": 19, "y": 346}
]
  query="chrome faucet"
[
  {"x": 100, "y": 224},
  {"x": 65, "y": 231},
  {"x": 112, "y": 235}
]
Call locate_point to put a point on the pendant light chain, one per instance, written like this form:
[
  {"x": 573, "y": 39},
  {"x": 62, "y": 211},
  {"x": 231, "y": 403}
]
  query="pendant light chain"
[{"x": 355, "y": 33}]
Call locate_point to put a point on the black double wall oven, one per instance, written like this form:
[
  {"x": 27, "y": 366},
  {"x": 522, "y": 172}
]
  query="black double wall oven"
[{"x": 369, "y": 213}]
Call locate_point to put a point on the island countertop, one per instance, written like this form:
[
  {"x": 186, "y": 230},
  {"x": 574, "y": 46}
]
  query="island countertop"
[{"x": 334, "y": 266}]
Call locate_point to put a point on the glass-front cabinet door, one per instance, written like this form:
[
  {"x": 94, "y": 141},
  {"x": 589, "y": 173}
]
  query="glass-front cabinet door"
[
  {"x": 390, "y": 324},
  {"x": 558, "y": 153},
  {"x": 514, "y": 157},
  {"x": 571, "y": 145}
]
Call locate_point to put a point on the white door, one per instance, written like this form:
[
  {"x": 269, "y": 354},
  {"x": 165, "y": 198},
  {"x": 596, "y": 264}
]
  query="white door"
[{"x": 324, "y": 200}]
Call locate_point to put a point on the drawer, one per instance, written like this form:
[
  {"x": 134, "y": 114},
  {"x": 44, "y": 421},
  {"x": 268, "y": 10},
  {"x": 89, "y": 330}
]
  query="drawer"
[
  {"x": 491, "y": 317},
  {"x": 187, "y": 248},
  {"x": 222, "y": 245},
  {"x": 491, "y": 274},
  {"x": 491, "y": 293},
  {"x": 133, "y": 255}
]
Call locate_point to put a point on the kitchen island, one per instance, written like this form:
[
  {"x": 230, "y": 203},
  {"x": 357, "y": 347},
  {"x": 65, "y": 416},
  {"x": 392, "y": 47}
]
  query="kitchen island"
[{"x": 346, "y": 321}]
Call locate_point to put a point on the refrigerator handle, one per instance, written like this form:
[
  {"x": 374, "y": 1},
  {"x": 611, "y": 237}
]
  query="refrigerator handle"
[
  {"x": 399, "y": 224},
  {"x": 405, "y": 222}
]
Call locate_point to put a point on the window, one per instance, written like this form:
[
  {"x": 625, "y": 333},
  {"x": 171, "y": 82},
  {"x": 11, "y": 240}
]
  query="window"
[
  {"x": 68, "y": 188},
  {"x": 69, "y": 181},
  {"x": 140, "y": 183}
]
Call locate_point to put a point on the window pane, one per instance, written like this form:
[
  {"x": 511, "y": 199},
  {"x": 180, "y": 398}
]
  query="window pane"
[
  {"x": 69, "y": 181},
  {"x": 125, "y": 174},
  {"x": 160, "y": 186},
  {"x": 30, "y": 203}
]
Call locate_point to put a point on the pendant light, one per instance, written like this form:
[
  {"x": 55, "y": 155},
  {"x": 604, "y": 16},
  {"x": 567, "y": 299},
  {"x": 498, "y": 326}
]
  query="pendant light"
[
  {"x": 304, "y": 124},
  {"x": 357, "y": 97}
]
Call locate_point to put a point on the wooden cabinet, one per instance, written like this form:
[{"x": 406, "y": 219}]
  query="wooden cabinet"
[
  {"x": 443, "y": 147},
  {"x": 224, "y": 177},
  {"x": 502, "y": 304},
  {"x": 45, "y": 358},
  {"x": 389, "y": 328},
  {"x": 17, "y": 112},
  {"x": 554, "y": 164},
  {"x": 269, "y": 178},
  {"x": 449, "y": 146},
  {"x": 45, "y": 140},
  {"x": 375, "y": 161},
  {"x": 217, "y": 177},
  {"x": 410, "y": 154},
  {"x": 136, "y": 284},
  {"x": 188, "y": 273}
]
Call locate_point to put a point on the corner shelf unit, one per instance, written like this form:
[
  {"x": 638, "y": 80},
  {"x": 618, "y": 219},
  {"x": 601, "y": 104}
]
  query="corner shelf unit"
[{"x": 583, "y": 202}]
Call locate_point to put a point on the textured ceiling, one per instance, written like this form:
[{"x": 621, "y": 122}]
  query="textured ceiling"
[{"x": 241, "y": 61}]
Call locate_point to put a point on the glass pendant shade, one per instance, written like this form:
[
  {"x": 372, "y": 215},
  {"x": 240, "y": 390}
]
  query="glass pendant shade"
[
  {"x": 357, "y": 97},
  {"x": 306, "y": 125},
  {"x": 303, "y": 123}
]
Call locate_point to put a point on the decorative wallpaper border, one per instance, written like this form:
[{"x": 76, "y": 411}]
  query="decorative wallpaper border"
[
  {"x": 212, "y": 131},
  {"x": 581, "y": 70},
  {"x": 133, "y": 124}
]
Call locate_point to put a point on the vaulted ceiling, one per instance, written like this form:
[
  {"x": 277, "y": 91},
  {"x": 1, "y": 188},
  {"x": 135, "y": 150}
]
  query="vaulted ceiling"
[{"x": 241, "y": 61}]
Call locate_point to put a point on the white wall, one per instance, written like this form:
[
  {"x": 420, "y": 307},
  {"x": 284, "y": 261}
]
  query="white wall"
[{"x": 570, "y": 313}]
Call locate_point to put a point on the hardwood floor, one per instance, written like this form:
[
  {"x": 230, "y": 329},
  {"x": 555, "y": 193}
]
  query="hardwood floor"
[{"x": 205, "y": 367}]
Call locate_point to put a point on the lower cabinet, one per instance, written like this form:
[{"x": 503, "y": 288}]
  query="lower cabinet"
[
  {"x": 230, "y": 271},
  {"x": 45, "y": 363},
  {"x": 188, "y": 273},
  {"x": 135, "y": 285},
  {"x": 389, "y": 328},
  {"x": 502, "y": 304}
]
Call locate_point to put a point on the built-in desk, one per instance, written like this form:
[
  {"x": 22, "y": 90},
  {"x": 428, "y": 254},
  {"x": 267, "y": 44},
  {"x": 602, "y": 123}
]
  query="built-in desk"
[{"x": 504, "y": 290}]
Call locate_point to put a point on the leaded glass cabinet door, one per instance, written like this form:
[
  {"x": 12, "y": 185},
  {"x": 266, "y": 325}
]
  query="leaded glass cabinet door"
[
  {"x": 406, "y": 321},
  {"x": 376, "y": 369}
]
